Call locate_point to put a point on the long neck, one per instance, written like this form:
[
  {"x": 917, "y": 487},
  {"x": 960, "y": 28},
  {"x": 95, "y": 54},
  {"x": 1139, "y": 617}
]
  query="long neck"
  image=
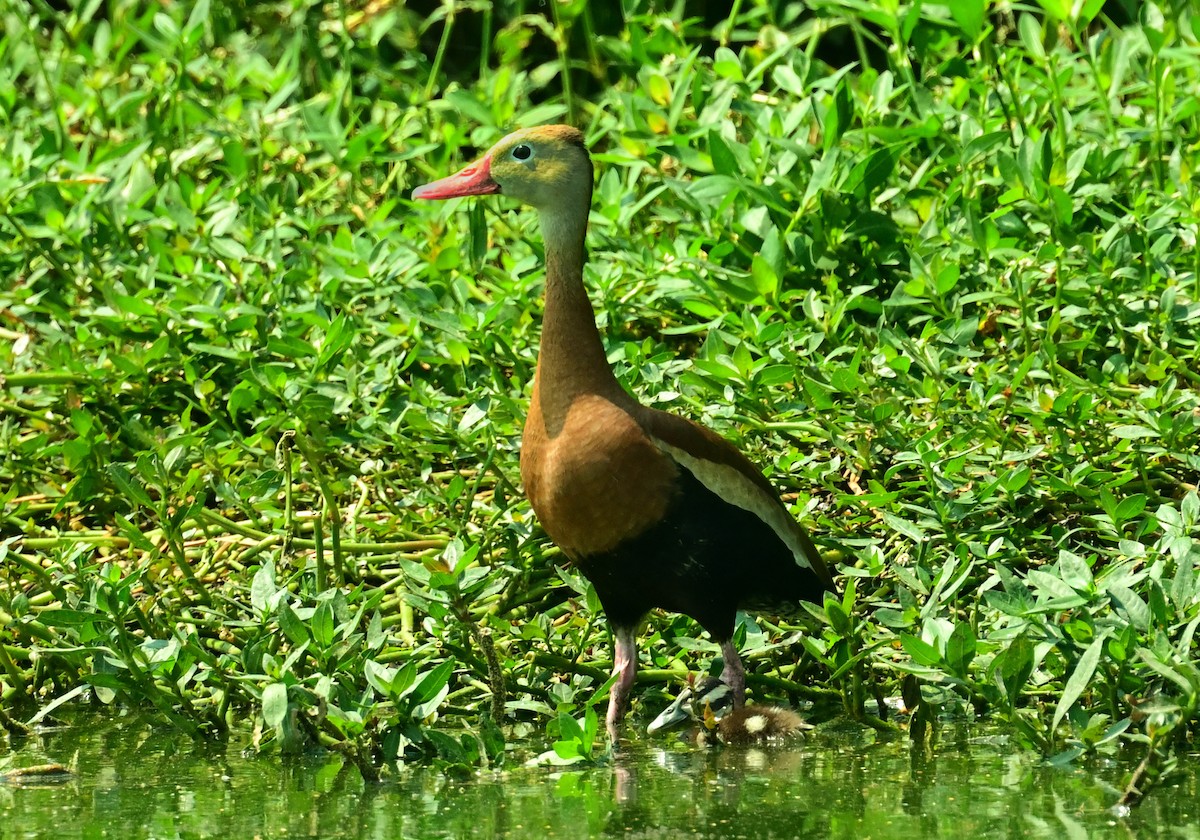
[{"x": 572, "y": 361}]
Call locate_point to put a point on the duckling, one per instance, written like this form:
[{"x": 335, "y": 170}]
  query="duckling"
[
  {"x": 709, "y": 705},
  {"x": 755, "y": 725}
]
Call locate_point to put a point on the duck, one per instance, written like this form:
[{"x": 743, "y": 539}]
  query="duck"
[
  {"x": 708, "y": 705},
  {"x": 655, "y": 510},
  {"x": 757, "y": 724}
]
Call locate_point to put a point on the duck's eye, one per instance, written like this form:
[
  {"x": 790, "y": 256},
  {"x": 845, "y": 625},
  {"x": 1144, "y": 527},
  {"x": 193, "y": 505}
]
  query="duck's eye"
[{"x": 522, "y": 152}]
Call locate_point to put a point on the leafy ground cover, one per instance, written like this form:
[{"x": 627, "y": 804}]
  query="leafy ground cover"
[{"x": 934, "y": 267}]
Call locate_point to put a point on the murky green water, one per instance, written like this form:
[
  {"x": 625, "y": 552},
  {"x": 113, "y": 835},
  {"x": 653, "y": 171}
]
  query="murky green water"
[{"x": 138, "y": 780}]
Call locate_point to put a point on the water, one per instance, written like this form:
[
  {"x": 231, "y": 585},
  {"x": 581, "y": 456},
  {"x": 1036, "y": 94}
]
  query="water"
[{"x": 138, "y": 779}]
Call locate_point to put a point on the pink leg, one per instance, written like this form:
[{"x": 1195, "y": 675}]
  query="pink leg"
[
  {"x": 625, "y": 669},
  {"x": 733, "y": 675}
]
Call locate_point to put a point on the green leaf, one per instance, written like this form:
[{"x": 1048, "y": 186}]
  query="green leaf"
[
  {"x": 921, "y": 651},
  {"x": 592, "y": 600},
  {"x": 568, "y": 751},
  {"x": 477, "y": 235},
  {"x": 193, "y": 30},
  {"x": 575, "y": 739},
  {"x": 947, "y": 279},
  {"x": 321, "y": 624},
  {"x": 1074, "y": 571},
  {"x": 1189, "y": 509},
  {"x": 130, "y": 487},
  {"x": 773, "y": 250},
  {"x": 870, "y": 173},
  {"x": 1016, "y": 478},
  {"x": 275, "y": 704},
  {"x": 1014, "y": 668},
  {"x": 1133, "y": 432},
  {"x": 375, "y": 634},
  {"x": 1157, "y": 602},
  {"x": 132, "y": 533},
  {"x": 983, "y": 144},
  {"x": 422, "y": 711},
  {"x": 433, "y": 682},
  {"x": 1132, "y": 604},
  {"x": 1079, "y": 680},
  {"x": 379, "y": 676},
  {"x": 1187, "y": 686},
  {"x": 569, "y": 729},
  {"x": 68, "y": 618},
  {"x": 838, "y": 620},
  {"x": 659, "y": 88},
  {"x": 291, "y": 625},
  {"x": 960, "y": 649},
  {"x": 908, "y": 25},
  {"x": 1184, "y": 586},
  {"x": 262, "y": 588},
  {"x": 338, "y": 336},
  {"x": 766, "y": 281},
  {"x": 1031, "y": 34},
  {"x": 1062, "y": 205},
  {"x": 838, "y": 114},
  {"x": 1057, "y": 9},
  {"x": 1086, "y": 12},
  {"x": 166, "y": 25},
  {"x": 404, "y": 682},
  {"x": 727, "y": 64},
  {"x": 288, "y": 346},
  {"x": 844, "y": 379},
  {"x": 1049, "y": 585},
  {"x": 969, "y": 15},
  {"x": 823, "y": 175},
  {"x": 724, "y": 162},
  {"x": 903, "y": 526},
  {"x": 1129, "y": 507}
]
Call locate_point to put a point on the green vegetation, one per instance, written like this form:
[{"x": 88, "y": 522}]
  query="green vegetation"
[{"x": 260, "y": 414}]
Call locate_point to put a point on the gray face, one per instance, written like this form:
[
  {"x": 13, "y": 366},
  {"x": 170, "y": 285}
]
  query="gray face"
[{"x": 690, "y": 703}]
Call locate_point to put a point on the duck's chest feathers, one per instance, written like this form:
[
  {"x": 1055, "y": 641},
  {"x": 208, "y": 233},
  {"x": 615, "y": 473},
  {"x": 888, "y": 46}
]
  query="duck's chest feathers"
[{"x": 594, "y": 478}]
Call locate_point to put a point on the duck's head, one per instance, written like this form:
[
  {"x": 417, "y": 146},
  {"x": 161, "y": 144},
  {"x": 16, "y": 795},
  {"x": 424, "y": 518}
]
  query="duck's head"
[
  {"x": 706, "y": 701},
  {"x": 547, "y": 167}
]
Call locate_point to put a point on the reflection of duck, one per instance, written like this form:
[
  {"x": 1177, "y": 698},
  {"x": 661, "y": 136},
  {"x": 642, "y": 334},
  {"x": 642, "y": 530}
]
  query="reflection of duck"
[{"x": 709, "y": 705}]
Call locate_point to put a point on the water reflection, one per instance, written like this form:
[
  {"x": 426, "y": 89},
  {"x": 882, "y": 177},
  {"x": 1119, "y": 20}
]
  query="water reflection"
[
  {"x": 137, "y": 780},
  {"x": 969, "y": 786},
  {"x": 723, "y": 792}
]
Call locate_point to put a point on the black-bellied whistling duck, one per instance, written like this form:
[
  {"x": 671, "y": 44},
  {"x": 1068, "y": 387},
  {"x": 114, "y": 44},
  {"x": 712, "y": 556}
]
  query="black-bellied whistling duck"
[{"x": 655, "y": 510}]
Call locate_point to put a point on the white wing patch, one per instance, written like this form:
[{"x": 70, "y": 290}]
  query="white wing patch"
[{"x": 731, "y": 485}]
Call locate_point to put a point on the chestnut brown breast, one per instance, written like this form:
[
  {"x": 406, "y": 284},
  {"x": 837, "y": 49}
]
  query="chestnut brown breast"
[{"x": 596, "y": 480}]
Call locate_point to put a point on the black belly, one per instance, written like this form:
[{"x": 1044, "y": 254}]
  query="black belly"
[{"x": 706, "y": 559}]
